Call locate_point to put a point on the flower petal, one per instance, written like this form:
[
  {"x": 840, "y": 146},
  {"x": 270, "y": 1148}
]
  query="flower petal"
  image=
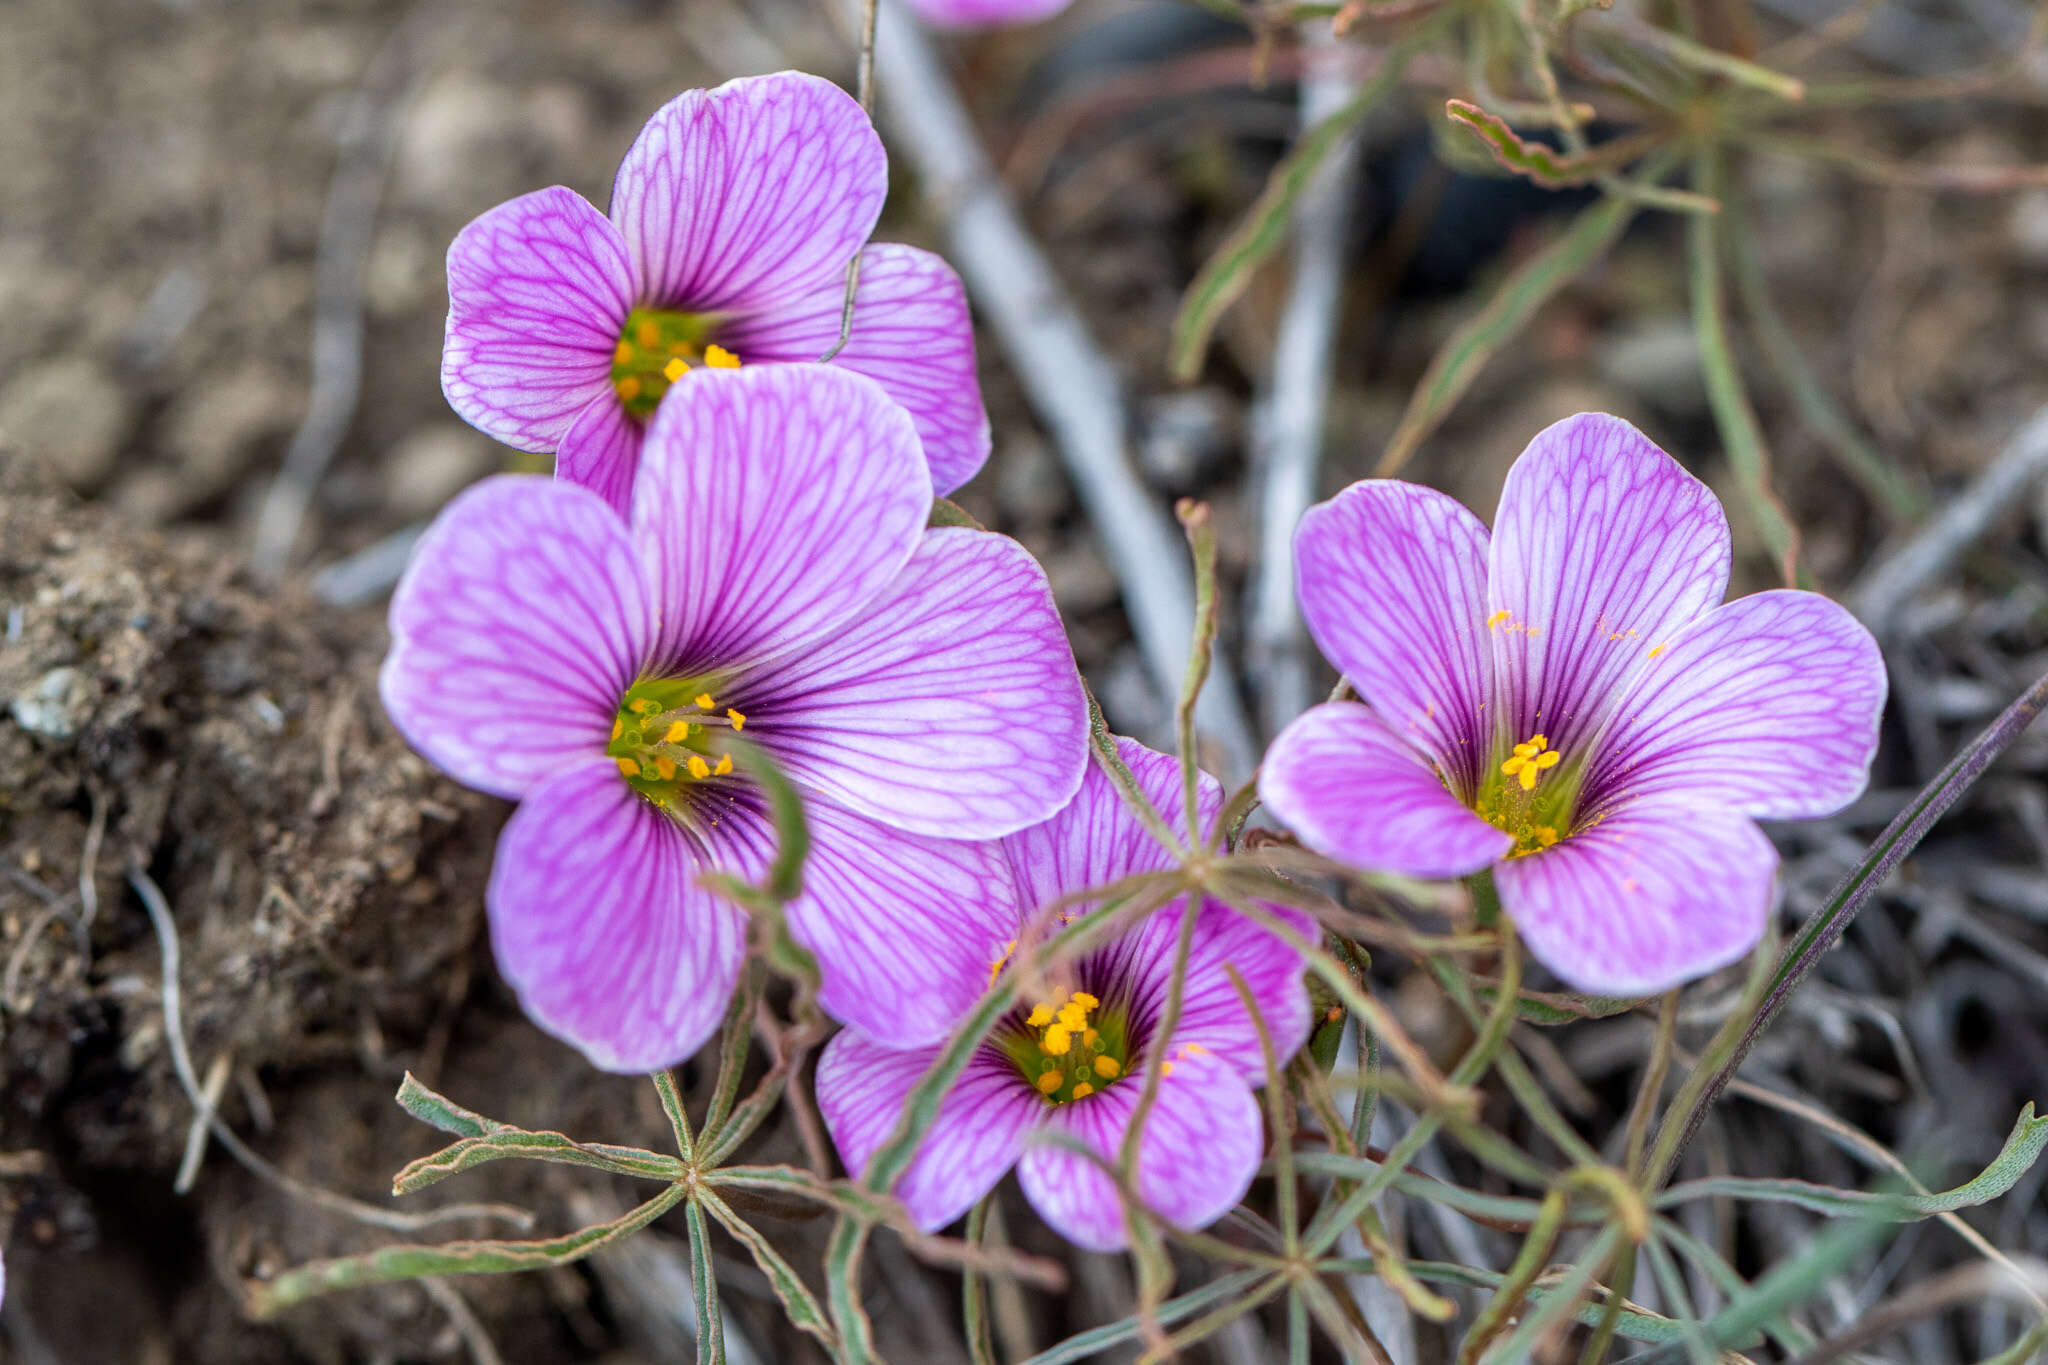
[
  {"x": 750, "y": 195},
  {"x": 1341, "y": 779},
  {"x": 601, "y": 452},
  {"x": 600, "y": 925},
  {"x": 1654, "y": 895},
  {"x": 1392, "y": 582},
  {"x": 911, "y": 334},
  {"x": 1096, "y": 839},
  {"x": 978, "y": 1132},
  {"x": 1604, "y": 548},
  {"x": 905, "y": 927},
  {"x": 950, "y": 706},
  {"x": 1769, "y": 704},
  {"x": 515, "y": 632},
  {"x": 1202, "y": 1144},
  {"x": 772, "y": 505},
  {"x": 538, "y": 289},
  {"x": 1212, "y": 1013}
]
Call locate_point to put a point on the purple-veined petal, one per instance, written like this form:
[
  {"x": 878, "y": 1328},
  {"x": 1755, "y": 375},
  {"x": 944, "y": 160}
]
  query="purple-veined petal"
[
  {"x": 985, "y": 13},
  {"x": 905, "y": 927},
  {"x": 773, "y": 504},
  {"x": 911, "y": 334},
  {"x": 1096, "y": 839},
  {"x": 950, "y": 706},
  {"x": 749, "y": 196},
  {"x": 1212, "y": 1013},
  {"x": 1392, "y": 582},
  {"x": 515, "y": 632},
  {"x": 976, "y": 1136},
  {"x": 1769, "y": 704},
  {"x": 538, "y": 289},
  {"x": 1653, "y": 895},
  {"x": 600, "y": 924},
  {"x": 1343, "y": 781},
  {"x": 601, "y": 452},
  {"x": 1202, "y": 1144},
  {"x": 1604, "y": 547}
]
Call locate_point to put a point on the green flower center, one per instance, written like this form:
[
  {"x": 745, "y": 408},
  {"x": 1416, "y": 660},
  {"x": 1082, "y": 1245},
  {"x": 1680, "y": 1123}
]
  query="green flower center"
[
  {"x": 656, "y": 348},
  {"x": 1069, "y": 1047},
  {"x": 1531, "y": 794},
  {"x": 669, "y": 735}
]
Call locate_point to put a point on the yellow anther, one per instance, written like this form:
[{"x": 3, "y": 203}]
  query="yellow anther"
[
  {"x": 1083, "y": 1091},
  {"x": 1166, "y": 1068},
  {"x": 718, "y": 358},
  {"x": 703, "y": 701},
  {"x": 629, "y": 387},
  {"x": 666, "y": 767},
  {"x": 676, "y": 368},
  {"x": 1049, "y": 1082},
  {"x": 1545, "y": 835},
  {"x": 1524, "y": 750},
  {"x": 1089, "y": 1037},
  {"x": 1072, "y": 1017},
  {"x": 650, "y": 332},
  {"x": 1540, "y": 741},
  {"x": 723, "y": 766},
  {"x": 1057, "y": 1041},
  {"x": 623, "y": 353},
  {"x": 1107, "y": 1067},
  {"x": 628, "y": 768},
  {"x": 618, "y": 727},
  {"x": 1040, "y": 1016},
  {"x": 739, "y": 722},
  {"x": 699, "y": 769},
  {"x": 1084, "y": 1000},
  {"x": 678, "y": 731},
  {"x": 1498, "y": 617},
  {"x": 645, "y": 706}
]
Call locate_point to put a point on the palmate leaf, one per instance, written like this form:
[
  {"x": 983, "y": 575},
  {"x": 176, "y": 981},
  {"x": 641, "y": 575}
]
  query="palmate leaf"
[
  {"x": 1548, "y": 167},
  {"x": 516, "y": 1144},
  {"x": 388, "y": 1264}
]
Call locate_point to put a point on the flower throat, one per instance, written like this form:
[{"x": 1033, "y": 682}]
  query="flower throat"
[
  {"x": 1530, "y": 795},
  {"x": 658, "y": 347},
  {"x": 666, "y": 737}
]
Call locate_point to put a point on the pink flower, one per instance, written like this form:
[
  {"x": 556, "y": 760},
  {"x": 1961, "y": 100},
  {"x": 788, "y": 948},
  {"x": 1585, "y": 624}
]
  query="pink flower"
[
  {"x": 775, "y": 583},
  {"x": 1570, "y": 703},
  {"x": 1075, "y": 1062},
  {"x": 733, "y": 219}
]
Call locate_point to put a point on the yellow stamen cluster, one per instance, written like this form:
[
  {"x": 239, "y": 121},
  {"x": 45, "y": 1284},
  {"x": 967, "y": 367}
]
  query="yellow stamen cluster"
[
  {"x": 661, "y": 740},
  {"x": 1532, "y": 757},
  {"x": 656, "y": 348},
  {"x": 1070, "y": 1058}
]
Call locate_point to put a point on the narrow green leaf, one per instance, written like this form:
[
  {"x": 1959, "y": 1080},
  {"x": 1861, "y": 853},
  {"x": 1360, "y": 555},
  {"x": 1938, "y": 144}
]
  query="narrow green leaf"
[
  {"x": 704, "y": 1285},
  {"x": 842, "y": 1291},
  {"x": 736, "y": 1036},
  {"x": 974, "y": 1315},
  {"x": 802, "y": 1308},
  {"x": 1194, "y": 518},
  {"x": 1546, "y": 166},
  {"x": 515, "y": 1144},
  {"x": 1566, "y": 1299},
  {"x": 1090, "y": 1343},
  {"x": 1637, "y": 1324},
  {"x": 449, "y": 1258},
  {"x": 1532, "y": 284},
  {"x": 443, "y": 1113},
  {"x": 1264, "y": 227},
  {"x": 2022, "y": 1148},
  {"x": 1734, "y": 417}
]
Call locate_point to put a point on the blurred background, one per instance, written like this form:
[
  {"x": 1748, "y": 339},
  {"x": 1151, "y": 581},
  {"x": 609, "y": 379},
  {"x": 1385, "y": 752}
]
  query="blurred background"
[{"x": 222, "y": 226}]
